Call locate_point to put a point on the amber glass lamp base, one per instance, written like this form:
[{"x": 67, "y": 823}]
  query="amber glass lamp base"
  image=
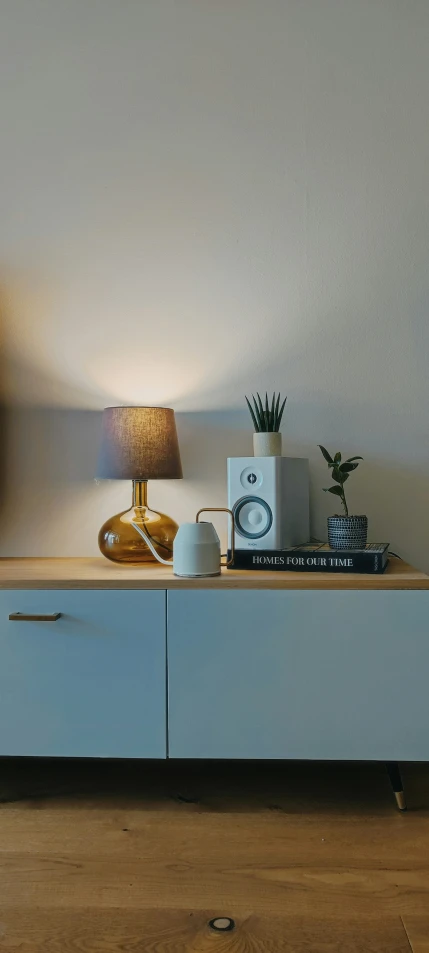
[{"x": 120, "y": 542}]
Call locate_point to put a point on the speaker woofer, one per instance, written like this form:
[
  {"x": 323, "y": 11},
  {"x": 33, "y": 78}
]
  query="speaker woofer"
[{"x": 253, "y": 517}]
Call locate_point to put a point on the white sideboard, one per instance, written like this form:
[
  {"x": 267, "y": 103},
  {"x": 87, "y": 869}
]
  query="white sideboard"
[
  {"x": 299, "y": 674},
  {"x": 88, "y": 684},
  {"x": 98, "y": 660}
]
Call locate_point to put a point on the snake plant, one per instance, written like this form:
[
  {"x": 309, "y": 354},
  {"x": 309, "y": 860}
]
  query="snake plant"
[{"x": 266, "y": 416}]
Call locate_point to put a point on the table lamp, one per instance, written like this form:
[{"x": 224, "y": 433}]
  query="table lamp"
[{"x": 138, "y": 444}]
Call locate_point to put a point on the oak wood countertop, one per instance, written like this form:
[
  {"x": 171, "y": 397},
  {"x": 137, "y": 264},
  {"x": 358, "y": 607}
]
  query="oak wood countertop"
[{"x": 99, "y": 573}]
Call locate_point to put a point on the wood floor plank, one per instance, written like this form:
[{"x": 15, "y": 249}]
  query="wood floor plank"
[
  {"x": 105, "y": 858},
  {"x": 306, "y": 841},
  {"x": 61, "y": 881},
  {"x": 187, "y": 931},
  {"x": 417, "y": 929}
]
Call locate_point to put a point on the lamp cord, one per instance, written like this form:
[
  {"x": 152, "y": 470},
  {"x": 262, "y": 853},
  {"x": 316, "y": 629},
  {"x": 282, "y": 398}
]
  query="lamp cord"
[{"x": 144, "y": 535}]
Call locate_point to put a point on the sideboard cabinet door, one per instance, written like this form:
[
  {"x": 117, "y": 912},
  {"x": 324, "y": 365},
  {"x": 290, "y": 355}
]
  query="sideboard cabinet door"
[
  {"x": 90, "y": 684},
  {"x": 299, "y": 674}
]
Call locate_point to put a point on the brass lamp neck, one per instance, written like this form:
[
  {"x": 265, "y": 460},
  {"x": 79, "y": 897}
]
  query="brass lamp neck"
[{"x": 139, "y": 492}]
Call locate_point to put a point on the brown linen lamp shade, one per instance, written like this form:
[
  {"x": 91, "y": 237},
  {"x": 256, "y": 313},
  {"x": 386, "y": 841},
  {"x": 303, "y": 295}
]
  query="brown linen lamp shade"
[{"x": 139, "y": 443}]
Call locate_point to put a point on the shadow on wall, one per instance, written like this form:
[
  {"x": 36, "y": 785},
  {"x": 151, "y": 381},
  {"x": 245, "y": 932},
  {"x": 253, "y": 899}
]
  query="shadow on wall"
[
  {"x": 3, "y": 411},
  {"x": 51, "y": 504},
  {"x": 49, "y": 459},
  {"x": 3, "y": 458}
]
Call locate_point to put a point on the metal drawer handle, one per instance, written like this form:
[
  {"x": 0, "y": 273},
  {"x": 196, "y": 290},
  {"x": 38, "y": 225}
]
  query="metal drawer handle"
[{"x": 25, "y": 617}]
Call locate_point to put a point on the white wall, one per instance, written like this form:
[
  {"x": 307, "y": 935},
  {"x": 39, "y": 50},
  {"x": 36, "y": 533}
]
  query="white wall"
[{"x": 198, "y": 199}]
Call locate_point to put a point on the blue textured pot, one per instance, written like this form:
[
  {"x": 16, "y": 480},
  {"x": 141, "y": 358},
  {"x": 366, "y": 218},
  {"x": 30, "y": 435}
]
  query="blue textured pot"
[{"x": 347, "y": 532}]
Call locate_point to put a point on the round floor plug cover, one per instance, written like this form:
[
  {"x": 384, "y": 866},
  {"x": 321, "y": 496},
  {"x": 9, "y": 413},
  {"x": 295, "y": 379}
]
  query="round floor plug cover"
[{"x": 223, "y": 924}]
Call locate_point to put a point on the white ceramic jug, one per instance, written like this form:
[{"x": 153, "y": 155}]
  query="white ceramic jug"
[{"x": 196, "y": 548}]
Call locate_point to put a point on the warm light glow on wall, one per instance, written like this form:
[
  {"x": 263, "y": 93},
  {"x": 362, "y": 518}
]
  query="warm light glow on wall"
[
  {"x": 143, "y": 378},
  {"x": 72, "y": 347}
]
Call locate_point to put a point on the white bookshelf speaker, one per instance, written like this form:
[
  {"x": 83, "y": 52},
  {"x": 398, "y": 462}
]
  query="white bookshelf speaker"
[{"x": 269, "y": 497}]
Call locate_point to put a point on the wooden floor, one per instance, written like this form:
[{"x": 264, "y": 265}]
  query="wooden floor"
[{"x": 132, "y": 857}]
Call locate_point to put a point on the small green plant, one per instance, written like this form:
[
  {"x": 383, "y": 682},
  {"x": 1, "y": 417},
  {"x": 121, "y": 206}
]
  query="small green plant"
[
  {"x": 266, "y": 418},
  {"x": 340, "y": 473}
]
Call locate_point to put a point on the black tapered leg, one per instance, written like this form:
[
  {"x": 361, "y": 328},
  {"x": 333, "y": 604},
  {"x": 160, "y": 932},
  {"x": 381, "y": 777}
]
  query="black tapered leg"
[{"x": 397, "y": 785}]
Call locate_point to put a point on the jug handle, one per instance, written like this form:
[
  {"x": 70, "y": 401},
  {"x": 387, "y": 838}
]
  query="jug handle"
[{"x": 221, "y": 509}]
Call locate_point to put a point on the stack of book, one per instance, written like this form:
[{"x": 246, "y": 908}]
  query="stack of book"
[{"x": 315, "y": 557}]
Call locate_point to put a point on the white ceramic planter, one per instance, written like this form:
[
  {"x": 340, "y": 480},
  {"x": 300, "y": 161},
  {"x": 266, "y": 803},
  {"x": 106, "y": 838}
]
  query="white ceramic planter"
[{"x": 267, "y": 444}]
